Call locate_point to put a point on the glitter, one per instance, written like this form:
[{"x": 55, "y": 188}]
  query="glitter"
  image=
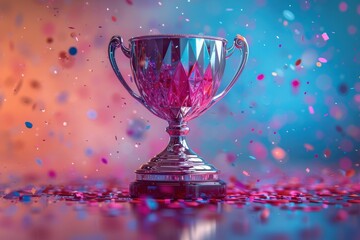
[
  {"x": 246, "y": 173},
  {"x": 318, "y": 64},
  {"x": 64, "y": 124},
  {"x": 307, "y": 170},
  {"x": 288, "y": 15},
  {"x": 325, "y": 36},
  {"x": 298, "y": 62},
  {"x": 113, "y": 18},
  {"x": 260, "y": 77},
  {"x": 343, "y": 7},
  {"x": 322, "y": 60},
  {"x": 28, "y": 124},
  {"x": 311, "y": 110},
  {"x": 104, "y": 160},
  {"x": 252, "y": 157},
  {"x": 73, "y": 51}
]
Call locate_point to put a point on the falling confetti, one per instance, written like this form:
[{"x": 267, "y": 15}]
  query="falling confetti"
[
  {"x": 325, "y": 36},
  {"x": 73, "y": 51},
  {"x": 260, "y": 77},
  {"x": 104, "y": 160},
  {"x": 28, "y": 124},
  {"x": 289, "y": 15}
]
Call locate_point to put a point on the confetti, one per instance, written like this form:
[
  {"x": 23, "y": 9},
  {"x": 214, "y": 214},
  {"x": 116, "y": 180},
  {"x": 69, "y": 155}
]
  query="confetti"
[
  {"x": 28, "y": 124},
  {"x": 325, "y": 36},
  {"x": 343, "y": 6},
  {"x": 52, "y": 174},
  {"x": 311, "y": 110},
  {"x": 92, "y": 114},
  {"x": 38, "y": 161},
  {"x": 288, "y": 15},
  {"x": 73, "y": 51},
  {"x": 295, "y": 83},
  {"x": 104, "y": 160},
  {"x": 260, "y": 77},
  {"x": 322, "y": 60},
  {"x": 278, "y": 153}
]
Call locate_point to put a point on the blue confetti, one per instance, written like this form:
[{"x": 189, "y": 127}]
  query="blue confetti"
[
  {"x": 28, "y": 124},
  {"x": 38, "y": 161},
  {"x": 151, "y": 204},
  {"x": 252, "y": 157},
  {"x": 73, "y": 51},
  {"x": 92, "y": 114},
  {"x": 89, "y": 152},
  {"x": 288, "y": 15},
  {"x": 62, "y": 97}
]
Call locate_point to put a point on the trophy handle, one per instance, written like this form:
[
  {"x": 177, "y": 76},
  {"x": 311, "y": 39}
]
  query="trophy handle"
[
  {"x": 241, "y": 44},
  {"x": 115, "y": 42}
]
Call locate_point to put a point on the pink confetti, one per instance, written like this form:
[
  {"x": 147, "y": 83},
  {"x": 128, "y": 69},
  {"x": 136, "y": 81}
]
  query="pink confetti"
[
  {"x": 322, "y": 60},
  {"x": 130, "y": 2},
  {"x": 104, "y": 160},
  {"x": 343, "y": 6},
  {"x": 278, "y": 153},
  {"x": 52, "y": 174},
  {"x": 246, "y": 173},
  {"x": 308, "y": 147},
  {"x": 311, "y": 110},
  {"x": 295, "y": 83},
  {"x": 265, "y": 214},
  {"x": 260, "y": 77},
  {"x": 325, "y": 36},
  {"x": 352, "y": 29},
  {"x": 307, "y": 170}
]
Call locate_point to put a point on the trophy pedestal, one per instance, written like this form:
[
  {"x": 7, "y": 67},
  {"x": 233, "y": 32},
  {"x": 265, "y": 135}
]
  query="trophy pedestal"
[{"x": 178, "y": 190}]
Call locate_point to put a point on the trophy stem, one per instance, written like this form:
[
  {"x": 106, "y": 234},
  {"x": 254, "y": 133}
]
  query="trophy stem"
[{"x": 177, "y": 172}]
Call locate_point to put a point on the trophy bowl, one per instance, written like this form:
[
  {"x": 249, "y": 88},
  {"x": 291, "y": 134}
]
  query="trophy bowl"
[{"x": 177, "y": 78}]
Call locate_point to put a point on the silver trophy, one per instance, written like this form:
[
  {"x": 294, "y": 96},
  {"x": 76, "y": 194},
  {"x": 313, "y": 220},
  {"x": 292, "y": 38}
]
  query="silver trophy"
[{"x": 177, "y": 77}]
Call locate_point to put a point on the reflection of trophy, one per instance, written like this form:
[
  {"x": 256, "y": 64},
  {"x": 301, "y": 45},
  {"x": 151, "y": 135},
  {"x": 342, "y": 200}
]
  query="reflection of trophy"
[{"x": 177, "y": 77}]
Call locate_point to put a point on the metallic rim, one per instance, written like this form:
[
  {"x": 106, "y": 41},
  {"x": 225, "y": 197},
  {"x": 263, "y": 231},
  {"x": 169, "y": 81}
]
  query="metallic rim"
[
  {"x": 177, "y": 36},
  {"x": 177, "y": 178}
]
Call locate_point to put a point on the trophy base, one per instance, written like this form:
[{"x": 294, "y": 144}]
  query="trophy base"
[{"x": 178, "y": 190}]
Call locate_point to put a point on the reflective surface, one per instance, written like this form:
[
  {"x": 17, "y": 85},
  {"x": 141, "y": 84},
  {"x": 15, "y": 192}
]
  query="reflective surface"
[{"x": 99, "y": 211}]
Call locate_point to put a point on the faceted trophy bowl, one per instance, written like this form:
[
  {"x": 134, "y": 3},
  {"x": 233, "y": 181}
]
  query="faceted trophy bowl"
[{"x": 177, "y": 77}]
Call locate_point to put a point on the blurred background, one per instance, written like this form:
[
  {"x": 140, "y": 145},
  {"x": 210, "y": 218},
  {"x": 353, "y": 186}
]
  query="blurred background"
[{"x": 293, "y": 114}]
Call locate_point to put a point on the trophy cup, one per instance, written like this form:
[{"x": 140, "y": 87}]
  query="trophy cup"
[{"x": 177, "y": 77}]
